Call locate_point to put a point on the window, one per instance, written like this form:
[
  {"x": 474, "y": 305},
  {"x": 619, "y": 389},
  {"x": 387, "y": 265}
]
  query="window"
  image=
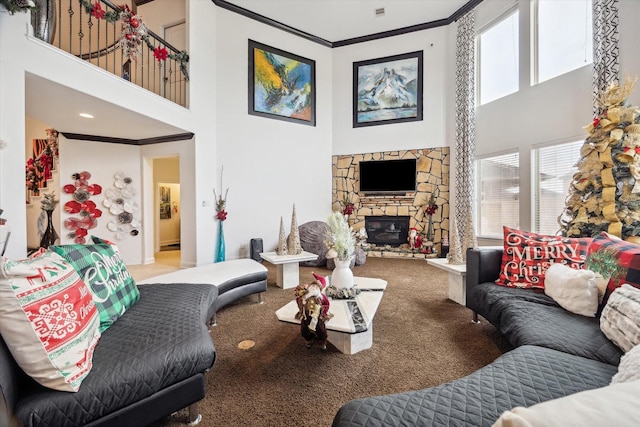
[
  {"x": 498, "y": 194},
  {"x": 497, "y": 59},
  {"x": 553, "y": 169},
  {"x": 562, "y": 37}
]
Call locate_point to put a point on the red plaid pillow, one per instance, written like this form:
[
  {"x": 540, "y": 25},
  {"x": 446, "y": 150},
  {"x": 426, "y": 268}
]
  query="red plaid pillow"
[
  {"x": 527, "y": 256},
  {"x": 627, "y": 268}
]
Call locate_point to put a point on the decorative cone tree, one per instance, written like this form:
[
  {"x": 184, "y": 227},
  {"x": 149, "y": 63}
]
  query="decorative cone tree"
[
  {"x": 605, "y": 192},
  {"x": 293, "y": 243},
  {"x": 282, "y": 240}
]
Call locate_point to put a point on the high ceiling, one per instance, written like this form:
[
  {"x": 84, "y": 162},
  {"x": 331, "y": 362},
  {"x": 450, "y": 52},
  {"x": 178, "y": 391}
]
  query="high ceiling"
[
  {"x": 329, "y": 20},
  {"x": 336, "y": 20}
]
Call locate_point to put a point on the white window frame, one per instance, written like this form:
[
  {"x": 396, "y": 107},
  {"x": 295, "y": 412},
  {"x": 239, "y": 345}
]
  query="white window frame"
[
  {"x": 478, "y": 195},
  {"x": 478, "y": 49},
  {"x": 535, "y": 179},
  {"x": 535, "y": 48}
]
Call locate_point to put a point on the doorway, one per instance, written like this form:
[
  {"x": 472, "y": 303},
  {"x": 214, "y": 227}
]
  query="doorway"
[{"x": 166, "y": 179}]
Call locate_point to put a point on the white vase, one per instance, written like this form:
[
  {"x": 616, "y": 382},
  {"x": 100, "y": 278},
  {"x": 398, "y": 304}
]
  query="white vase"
[{"x": 342, "y": 276}]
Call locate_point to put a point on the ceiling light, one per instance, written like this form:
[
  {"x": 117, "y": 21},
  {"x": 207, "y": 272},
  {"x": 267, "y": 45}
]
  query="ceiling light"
[
  {"x": 380, "y": 12},
  {"x": 86, "y": 115}
]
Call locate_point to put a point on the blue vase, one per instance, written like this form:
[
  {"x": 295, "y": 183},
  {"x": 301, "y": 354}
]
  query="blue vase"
[{"x": 220, "y": 246}]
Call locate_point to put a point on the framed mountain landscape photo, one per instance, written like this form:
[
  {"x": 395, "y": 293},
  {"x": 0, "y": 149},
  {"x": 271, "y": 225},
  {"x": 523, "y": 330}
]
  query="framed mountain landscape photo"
[
  {"x": 387, "y": 90},
  {"x": 282, "y": 85}
]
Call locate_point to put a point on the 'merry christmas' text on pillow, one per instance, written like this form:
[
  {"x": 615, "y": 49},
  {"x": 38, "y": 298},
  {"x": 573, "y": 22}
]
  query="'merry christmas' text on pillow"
[
  {"x": 102, "y": 269},
  {"x": 527, "y": 256}
]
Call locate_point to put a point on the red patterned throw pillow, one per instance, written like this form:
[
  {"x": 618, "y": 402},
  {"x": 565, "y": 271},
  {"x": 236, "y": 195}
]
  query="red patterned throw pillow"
[
  {"x": 527, "y": 256},
  {"x": 48, "y": 319},
  {"x": 615, "y": 259}
]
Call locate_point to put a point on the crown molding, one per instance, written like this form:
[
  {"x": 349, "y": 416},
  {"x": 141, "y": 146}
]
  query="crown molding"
[
  {"x": 126, "y": 141},
  {"x": 271, "y": 22},
  {"x": 377, "y": 36}
]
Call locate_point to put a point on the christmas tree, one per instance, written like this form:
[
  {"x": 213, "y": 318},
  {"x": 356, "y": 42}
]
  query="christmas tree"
[{"x": 604, "y": 194}]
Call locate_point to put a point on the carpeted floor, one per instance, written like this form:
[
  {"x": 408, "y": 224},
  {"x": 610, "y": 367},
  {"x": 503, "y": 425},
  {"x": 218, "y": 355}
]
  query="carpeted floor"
[{"x": 420, "y": 339}]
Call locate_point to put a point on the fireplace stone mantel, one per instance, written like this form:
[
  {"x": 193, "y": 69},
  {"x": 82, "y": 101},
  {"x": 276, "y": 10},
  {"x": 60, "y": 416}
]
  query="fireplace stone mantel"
[{"x": 432, "y": 177}]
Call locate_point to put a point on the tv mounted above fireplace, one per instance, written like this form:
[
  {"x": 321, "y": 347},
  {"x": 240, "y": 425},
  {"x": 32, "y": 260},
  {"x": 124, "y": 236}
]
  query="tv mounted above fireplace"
[{"x": 388, "y": 176}]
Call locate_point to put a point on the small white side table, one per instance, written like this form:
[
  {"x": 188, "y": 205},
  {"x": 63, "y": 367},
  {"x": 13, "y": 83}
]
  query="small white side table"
[
  {"x": 288, "y": 267},
  {"x": 457, "y": 278}
]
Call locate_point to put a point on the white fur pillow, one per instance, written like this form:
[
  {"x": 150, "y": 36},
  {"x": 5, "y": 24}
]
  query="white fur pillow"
[
  {"x": 613, "y": 405},
  {"x": 575, "y": 290},
  {"x": 620, "y": 318},
  {"x": 629, "y": 368}
]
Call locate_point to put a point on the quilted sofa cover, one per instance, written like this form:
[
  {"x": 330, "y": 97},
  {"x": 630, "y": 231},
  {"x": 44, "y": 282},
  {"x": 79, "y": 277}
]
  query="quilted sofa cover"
[
  {"x": 159, "y": 349},
  {"x": 522, "y": 377},
  {"x": 525, "y": 316}
]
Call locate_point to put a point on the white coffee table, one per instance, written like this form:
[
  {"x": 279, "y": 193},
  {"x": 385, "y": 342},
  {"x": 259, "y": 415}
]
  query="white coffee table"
[
  {"x": 288, "y": 267},
  {"x": 350, "y": 329}
]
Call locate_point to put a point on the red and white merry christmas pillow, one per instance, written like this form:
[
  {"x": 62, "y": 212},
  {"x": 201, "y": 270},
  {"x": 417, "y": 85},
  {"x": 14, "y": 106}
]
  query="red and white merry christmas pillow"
[
  {"x": 48, "y": 319},
  {"x": 527, "y": 256}
]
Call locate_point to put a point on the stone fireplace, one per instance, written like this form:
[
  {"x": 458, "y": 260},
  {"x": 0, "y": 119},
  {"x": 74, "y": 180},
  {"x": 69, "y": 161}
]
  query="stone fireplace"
[
  {"x": 387, "y": 230},
  {"x": 432, "y": 177}
]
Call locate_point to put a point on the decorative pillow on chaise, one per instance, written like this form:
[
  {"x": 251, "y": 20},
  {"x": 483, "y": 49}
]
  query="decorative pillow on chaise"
[
  {"x": 629, "y": 368},
  {"x": 103, "y": 270},
  {"x": 575, "y": 290},
  {"x": 614, "y": 258},
  {"x": 527, "y": 256},
  {"x": 48, "y": 319},
  {"x": 613, "y": 405},
  {"x": 101, "y": 241},
  {"x": 620, "y": 318}
]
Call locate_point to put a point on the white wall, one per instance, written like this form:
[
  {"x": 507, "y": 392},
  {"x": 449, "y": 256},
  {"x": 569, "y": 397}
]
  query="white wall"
[
  {"x": 268, "y": 164},
  {"x": 430, "y": 132},
  {"x": 553, "y": 111},
  {"x": 102, "y": 161}
]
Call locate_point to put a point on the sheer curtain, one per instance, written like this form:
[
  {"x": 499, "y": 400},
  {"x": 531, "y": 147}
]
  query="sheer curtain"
[{"x": 462, "y": 234}]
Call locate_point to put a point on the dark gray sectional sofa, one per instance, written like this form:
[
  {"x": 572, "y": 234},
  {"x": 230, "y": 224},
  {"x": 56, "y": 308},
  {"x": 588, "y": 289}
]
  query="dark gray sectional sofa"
[
  {"x": 148, "y": 364},
  {"x": 556, "y": 354}
]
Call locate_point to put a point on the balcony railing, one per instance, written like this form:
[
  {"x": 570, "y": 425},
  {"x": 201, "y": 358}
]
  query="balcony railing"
[{"x": 115, "y": 39}]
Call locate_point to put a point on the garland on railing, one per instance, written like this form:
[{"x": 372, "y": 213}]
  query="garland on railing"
[
  {"x": 134, "y": 32},
  {"x": 14, "y": 6}
]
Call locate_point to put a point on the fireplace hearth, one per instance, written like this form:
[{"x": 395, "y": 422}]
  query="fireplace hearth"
[{"x": 387, "y": 230}]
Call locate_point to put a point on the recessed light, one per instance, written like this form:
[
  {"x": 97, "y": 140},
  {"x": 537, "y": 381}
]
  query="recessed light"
[{"x": 86, "y": 115}]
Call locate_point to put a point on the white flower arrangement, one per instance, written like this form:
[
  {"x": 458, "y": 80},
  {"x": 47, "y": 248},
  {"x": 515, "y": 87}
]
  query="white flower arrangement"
[{"x": 341, "y": 239}]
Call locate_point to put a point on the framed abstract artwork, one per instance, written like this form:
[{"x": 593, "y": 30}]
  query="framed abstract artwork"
[
  {"x": 387, "y": 90},
  {"x": 282, "y": 85}
]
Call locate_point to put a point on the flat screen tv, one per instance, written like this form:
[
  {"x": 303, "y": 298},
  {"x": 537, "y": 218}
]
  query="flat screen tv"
[{"x": 388, "y": 176}]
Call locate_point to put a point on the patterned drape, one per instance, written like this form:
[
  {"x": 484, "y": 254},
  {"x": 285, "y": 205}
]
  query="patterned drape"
[
  {"x": 605, "y": 49},
  {"x": 462, "y": 231}
]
